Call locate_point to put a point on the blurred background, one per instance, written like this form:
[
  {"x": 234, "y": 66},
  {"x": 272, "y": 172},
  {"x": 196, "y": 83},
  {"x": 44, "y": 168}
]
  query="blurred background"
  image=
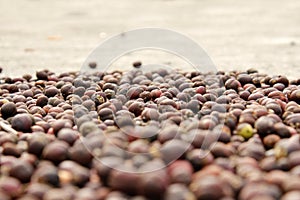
[{"x": 236, "y": 34}]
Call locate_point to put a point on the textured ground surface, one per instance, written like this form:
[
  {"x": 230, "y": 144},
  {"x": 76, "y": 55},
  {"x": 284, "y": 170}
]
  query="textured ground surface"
[{"x": 59, "y": 35}]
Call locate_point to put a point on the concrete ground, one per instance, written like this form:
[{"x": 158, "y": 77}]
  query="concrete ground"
[{"x": 237, "y": 34}]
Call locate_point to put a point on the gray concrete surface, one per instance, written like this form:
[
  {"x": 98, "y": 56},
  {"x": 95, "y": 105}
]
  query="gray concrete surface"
[{"x": 237, "y": 34}]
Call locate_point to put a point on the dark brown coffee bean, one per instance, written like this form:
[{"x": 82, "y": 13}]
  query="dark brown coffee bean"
[
  {"x": 44, "y": 125},
  {"x": 221, "y": 150},
  {"x": 249, "y": 190},
  {"x": 180, "y": 171},
  {"x": 162, "y": 72},
  {"x": 279, "y": 79},
  {"x": 146, "y": 95},
  {"x": 293, "y": 120},
  {"x": 114, "y": 148},
  {"x": 136, "y": 108},
  {"x": 22, "y": 170},
  {"x": 232, "y": 84},
  {"x": 134, "y": 92},
  {"x": 178, "y": 191},
  {"x": 167, "y": 101},
  {"x": 27, "y": 77},
  {"x": 37, "y": 143},
  {"x": 251, "y": 149},
  {"x": 51, "y": 91},
  {"x": 267, "y": 91},
  {"x": 28, "y": 93},
  {"x": 109, "y": 93},
  {"x": 92, "y": 65},
  {"x": 37, "y": 189},
  {"x": 13, "y": 88},
  {"x": 124, "y": 121},
  {"x": 169, "y": 133},
  {"x": 105, "y": 114},
  {"x": 244, "y": 79},
  {"x": 275, "y": 107},
  {"x": 70, "y": 172},
  {"x": 173, "y": 150},
  {"x": 19, "y": 98},
  {"x": 279, "y": 86},
  {"x": 231, "y": 120},
  {"x": 30, "y": 158},
  {"x": 105, "y": 165},
  {"x": 60, "y": 124},
  {"x": 156, "y": 93},
  {"x": 137, "y": 64},
  {"x": 81, "y": 83},
  {"x": 8, "y": 110},
  {"x": 42, "y": 75},
  {"x": 295, "y": 96},
  {"x": 221, "y": 108},
  {"x": 42, "y": 101},
  {"x": 56, "y": 151},
  {"x": 210, "y": 187},
  {"x": 268, "y": 164},
  {"x": 139, "y": 159},
  {"x": 184, "y": 86},
  {"x": 194, "y": 106},
  {"x": 129, "y": 179},
  {"x": 282, "y": 130},
  {"x": 270, "y": 140},
  {"x": 210, "y": 97},
  {"x": 154, "y": 180},
  {"x": 79, "y": 91},
  {"x": 87, "y": 128},
  {"x": 46, "y": 173},
  {"x": 255, "y": 96},
  {"x": 207, "y": 123},
  {"x": 66, "y": 90},
  {"x": 80, "y": 153},
  {"x": 223, "y": 133},
  {"x": 138, "y": 146},
  {"x": 110, "y": 86},
  {"x": 22, "y": 122},
  {"x": 264, "y": 126},
  {"x": 11, "y": 149},
  {"x": 277, "y": 95},
  {"x": 223, "y": 99},
  {"x": 173, "y": 91},
  {"x": 252, "y": 71},
  {"x": 201, "y": 90},
  {"x": 150, "y": 114}
]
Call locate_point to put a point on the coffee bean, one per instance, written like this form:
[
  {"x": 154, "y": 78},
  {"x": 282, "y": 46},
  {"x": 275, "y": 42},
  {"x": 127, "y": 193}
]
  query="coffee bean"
[
  {"x": 10, "y": 186},
  {"x": 22, "y": 170},
  {"x": 137, "y": 64},
  {"x": 22, "y": 122},
  {"x": 92, "y": 65},
  {"x": 180, "y": 171},
  {"x": 8, "y": 110},
  {"x": 56, "y": 151},
  {"x": 42, "y": 75}
]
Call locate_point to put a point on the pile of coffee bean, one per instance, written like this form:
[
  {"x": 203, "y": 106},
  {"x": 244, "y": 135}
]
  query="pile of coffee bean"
[{"x": 149, "y": 135}]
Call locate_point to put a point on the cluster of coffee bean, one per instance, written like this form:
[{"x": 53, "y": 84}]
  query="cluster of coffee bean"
[{"x": 164, "y": 134}]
